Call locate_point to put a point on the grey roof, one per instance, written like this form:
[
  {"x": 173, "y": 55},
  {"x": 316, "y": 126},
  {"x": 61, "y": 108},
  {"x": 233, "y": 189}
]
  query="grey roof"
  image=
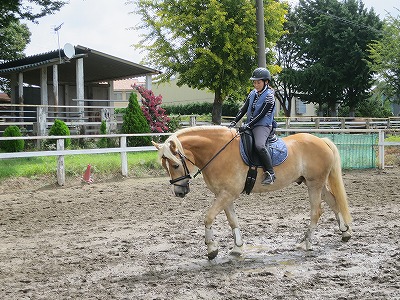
[{"x": 98, "y": 67}]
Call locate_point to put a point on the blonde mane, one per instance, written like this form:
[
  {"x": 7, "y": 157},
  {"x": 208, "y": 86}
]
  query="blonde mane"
[{"x": 166, "y": 149}]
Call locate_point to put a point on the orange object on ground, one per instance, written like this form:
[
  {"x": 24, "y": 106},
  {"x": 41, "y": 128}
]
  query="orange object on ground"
[{"x": 87, "y": 177}]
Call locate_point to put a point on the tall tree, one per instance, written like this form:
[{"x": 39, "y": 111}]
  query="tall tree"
[
  {"x": 333, "y": 37},
  {"x": 14, "y": 35},
  {"x": 211, "y": 44},
  {"x": 13, "y": 10},
  {"x": 385, "y": 56}
]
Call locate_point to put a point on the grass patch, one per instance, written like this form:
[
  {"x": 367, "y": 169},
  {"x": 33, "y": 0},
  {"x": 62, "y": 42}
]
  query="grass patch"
[{"x": 139, "y": 164}]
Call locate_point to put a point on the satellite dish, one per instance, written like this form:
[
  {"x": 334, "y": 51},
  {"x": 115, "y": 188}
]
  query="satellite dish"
[{"x": 69, "y": 50}]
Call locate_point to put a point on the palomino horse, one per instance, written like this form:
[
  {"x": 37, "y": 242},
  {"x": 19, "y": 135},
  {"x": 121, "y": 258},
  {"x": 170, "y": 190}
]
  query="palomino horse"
[{"x": 215, "y": 151}]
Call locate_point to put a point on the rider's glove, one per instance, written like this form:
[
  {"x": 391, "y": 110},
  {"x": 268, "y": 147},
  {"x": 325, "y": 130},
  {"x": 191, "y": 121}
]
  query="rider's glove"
[{"x": 243, "y": 128}]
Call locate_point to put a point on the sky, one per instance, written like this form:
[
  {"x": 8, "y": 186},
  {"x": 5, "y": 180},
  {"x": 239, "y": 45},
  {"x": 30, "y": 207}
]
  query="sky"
[{"x": 103, "y": 25}]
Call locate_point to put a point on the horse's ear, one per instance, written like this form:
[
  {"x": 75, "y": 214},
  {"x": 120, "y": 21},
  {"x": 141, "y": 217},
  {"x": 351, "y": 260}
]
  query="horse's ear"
[{"x": 158, "y": 146}]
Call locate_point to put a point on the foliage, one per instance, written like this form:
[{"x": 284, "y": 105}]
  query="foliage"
[
  {"x": 385, "y": 56},
  {"x": 371, "y": 107},
  {"x": 59, "y": 128},
  {"x": 102, "y": 143},
  {"x": 210, "y": 44},
  {"x": 14, "y": 39},
  {"x": 135, "y": 122},
  {"x": 14, "y": 35},
  {"x": 202, "y": 108},
  {"x": 12, "y": 145},
  {"x": 329, "y": 43},
  {"x": 12, "y": 10},
  {"x": 152, "y": 110}
]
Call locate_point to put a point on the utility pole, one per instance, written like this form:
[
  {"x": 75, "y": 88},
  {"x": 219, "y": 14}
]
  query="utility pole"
[{"x": 261, "y": 59}]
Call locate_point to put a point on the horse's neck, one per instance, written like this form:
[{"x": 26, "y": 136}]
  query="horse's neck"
[{"x": 204, "y": 145}]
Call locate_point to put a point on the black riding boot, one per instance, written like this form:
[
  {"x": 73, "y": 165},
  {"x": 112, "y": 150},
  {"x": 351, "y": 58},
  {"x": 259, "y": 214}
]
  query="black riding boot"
[{"x": 266, "y": 160}]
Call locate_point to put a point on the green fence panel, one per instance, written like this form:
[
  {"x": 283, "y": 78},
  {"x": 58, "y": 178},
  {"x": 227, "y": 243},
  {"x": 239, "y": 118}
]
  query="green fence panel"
[{"x": 357, "y": 151}]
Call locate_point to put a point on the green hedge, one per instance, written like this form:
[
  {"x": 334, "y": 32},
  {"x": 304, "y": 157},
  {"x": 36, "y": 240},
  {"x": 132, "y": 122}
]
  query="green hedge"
[{"x": 203, "y": 108}]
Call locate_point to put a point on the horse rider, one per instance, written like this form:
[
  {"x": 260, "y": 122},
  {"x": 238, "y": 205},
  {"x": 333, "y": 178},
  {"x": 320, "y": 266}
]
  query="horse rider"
[{"x": 260, "y": 108}]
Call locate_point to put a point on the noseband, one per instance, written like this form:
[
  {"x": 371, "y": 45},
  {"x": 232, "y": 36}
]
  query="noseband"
[{"x": 185, "y": 168}]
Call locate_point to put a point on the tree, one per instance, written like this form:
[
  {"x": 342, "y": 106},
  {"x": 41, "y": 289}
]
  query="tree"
[
  {"x": 14, "y": 10},
  {"x": 135, "y": 122},
  {"x": 152, "y": 110},
  {"x": 331, "y": 39},
  {"x": 14, "y": 35},
  {"x": 210, "y": 44},
  {"x": 385, "y": 58}
]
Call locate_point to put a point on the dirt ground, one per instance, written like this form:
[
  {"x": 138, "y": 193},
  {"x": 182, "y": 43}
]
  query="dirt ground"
[{"x": 132, "y": 239}]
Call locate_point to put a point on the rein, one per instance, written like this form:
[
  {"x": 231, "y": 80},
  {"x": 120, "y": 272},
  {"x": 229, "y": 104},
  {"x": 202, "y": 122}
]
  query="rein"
[{"x": 212, "y": 158}]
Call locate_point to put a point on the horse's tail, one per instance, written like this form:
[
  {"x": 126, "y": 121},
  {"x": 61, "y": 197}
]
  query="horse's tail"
[{"x": 335, "y": 181}]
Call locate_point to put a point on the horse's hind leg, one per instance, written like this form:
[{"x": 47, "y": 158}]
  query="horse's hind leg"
[
  {"x": 330, "y": 199},
  {"x": 316, "y": 211},
  {"x": 234, "y": 224}
]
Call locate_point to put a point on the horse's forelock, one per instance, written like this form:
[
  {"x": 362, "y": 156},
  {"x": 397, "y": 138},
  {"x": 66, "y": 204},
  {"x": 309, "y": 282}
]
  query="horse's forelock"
[{"x": 166, "y": 149}]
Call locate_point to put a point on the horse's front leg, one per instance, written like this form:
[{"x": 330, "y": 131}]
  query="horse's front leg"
[
  {"x": 234, "y": 224},
  {"x": 212, "y": 245}
]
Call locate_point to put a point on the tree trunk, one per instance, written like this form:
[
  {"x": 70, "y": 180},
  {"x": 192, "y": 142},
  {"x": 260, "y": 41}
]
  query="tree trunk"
[{"x": 217, "y": 108}]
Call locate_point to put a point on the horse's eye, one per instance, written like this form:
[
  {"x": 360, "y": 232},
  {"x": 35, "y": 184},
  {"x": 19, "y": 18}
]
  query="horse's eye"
[{"x": 175, "y": 166}]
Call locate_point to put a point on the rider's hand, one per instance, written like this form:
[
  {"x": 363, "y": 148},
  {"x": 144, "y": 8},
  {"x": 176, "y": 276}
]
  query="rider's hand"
[
  {"x": 243, "y": 128},
  {"x": 233, "y": 124}
]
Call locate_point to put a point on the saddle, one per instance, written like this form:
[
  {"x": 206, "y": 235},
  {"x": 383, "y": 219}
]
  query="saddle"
[{"x": 276, "y": 147}]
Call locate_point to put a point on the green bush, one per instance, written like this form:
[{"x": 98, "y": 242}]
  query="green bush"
[
  {"x": 102, "y": 143},
  {"x": 135, "y": 122},
  {"x": 12, "y": 145},
  {"x": 61, "y": 129}
]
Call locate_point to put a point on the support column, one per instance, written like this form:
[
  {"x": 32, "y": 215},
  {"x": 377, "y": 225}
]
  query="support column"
[
  {"x": 55, "y": 87},
  {"x": 21, "y": 93},
  {"x": 80, "y": 85},
  {"x": 148, "y": 81},
  {"x": 44, "y": 98},
  {"x": 13, "y": 83}
]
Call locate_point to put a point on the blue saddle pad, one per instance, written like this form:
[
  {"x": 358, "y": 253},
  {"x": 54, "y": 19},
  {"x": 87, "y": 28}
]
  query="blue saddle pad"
[{"x": 277, "y": 149}]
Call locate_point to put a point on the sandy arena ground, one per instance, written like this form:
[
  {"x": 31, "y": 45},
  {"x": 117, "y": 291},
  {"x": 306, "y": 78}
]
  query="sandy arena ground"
[{"x": 132, "y": 239}]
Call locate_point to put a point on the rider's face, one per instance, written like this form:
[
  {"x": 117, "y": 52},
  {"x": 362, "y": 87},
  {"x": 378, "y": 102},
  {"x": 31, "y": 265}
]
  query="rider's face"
[{"x": 258, "y": 85}]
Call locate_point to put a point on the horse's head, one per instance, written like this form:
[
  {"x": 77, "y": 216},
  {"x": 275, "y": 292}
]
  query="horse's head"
[{"x": 175, "y": 162}]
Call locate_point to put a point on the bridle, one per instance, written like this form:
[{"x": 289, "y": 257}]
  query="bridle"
[{"x": 187, "y": 175}]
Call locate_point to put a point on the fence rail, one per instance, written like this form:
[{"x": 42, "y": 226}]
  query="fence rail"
[
  {"x": 36, "y": 119},
  {"x": 123, "y": 149}
]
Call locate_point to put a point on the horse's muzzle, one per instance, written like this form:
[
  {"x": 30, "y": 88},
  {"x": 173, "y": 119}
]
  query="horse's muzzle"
[{"x": 181, "y": 190}]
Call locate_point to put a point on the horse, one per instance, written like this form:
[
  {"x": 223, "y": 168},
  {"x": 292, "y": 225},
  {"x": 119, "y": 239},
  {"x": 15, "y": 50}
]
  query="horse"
[{"x": 214, "y": 151}]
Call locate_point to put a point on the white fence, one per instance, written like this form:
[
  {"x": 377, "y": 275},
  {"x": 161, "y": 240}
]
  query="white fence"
[{"x": 123, "y": 149}]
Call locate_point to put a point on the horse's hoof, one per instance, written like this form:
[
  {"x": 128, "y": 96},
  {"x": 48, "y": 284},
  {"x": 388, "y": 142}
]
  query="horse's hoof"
[
  {"x": 346, "y": 236},
  {"x": 237, "y": 251},
  {"x": 213, "y": 254}
]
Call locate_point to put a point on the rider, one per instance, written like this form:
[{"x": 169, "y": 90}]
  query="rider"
[{"x": 260, "y": 109}]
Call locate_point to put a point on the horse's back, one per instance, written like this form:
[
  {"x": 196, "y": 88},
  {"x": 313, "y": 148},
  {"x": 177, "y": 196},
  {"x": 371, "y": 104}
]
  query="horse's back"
[{"x": 310, "y": 152}]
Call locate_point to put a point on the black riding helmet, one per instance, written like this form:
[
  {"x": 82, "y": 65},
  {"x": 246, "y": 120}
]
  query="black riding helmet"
[{"x": 261, "y": 73}]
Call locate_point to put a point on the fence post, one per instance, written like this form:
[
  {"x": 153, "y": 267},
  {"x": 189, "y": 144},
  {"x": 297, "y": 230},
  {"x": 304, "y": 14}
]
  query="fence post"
[
  {"x": 192, "y": 121},
  {"x": 381, "y": 150},
  {"x": 124, "y": 157},
  {"x": 316, "y": 123},
  {"x": 41, "y": 113},
  {"x": 60, "y": 163}
]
